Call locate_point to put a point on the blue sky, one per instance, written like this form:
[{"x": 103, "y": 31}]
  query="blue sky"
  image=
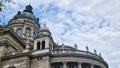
[{"x": 95, "y": 23}]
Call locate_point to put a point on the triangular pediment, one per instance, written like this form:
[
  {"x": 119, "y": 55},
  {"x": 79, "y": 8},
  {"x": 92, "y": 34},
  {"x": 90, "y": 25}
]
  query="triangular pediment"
[{"x": 11, "y": 41}]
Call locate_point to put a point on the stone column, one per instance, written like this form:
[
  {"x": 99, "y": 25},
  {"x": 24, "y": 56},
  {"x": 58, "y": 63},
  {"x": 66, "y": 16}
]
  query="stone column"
[
  {"x": 79, "y": 65},
  {"x": 61, "y": 66},
  {"x": 40, "y": 45},
  {"x": 0, "y": 63},
  {"x": 64, "y": 64},
  {"x": 35, "y": 45},
  {"x": 92, "y": 66}
]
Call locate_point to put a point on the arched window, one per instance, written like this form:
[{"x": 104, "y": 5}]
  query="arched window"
[
  {"x": 19, "y": 32},
  {"x": 34, "y": 35},
  {"x": 38, "y": 46},
  {"x": 43, "y": 44},
  {"x": 28, "y": 31}
]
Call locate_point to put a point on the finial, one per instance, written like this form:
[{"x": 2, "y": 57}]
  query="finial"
[
  {"x": 62, "y": 45},
  {"x": 95, "y": 51},
  {"x": 44, "y": 24},
  {"x": 100, "y": 54},
  {"x": 28, "y": 9},
  {"x": 75, "y": 45},
  {"x": 38, "y": 19},
  {"x": 18, "y": 13},
  {"x": 87, "y": 49}
]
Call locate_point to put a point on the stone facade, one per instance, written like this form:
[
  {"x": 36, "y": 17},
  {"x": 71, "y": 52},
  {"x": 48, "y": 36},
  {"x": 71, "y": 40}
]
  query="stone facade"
[{"x": 25, "y": 44}]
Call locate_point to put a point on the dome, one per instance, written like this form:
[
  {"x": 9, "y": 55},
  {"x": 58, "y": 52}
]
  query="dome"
[
  {"x": 26, "y": 15},
  {"x": 44, "y": 29}
]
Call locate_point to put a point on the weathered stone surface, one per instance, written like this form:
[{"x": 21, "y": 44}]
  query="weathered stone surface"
[{"x": 22, "y": 62}]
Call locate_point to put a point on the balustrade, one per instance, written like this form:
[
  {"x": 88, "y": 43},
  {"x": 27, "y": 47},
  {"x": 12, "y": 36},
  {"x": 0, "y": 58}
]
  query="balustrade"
[
  {"x": 73, "y": 65},
  {"x": 84, "y": 53}
]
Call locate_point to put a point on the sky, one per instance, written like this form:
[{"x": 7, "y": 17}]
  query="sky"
[{"x": 92, "y": 23}]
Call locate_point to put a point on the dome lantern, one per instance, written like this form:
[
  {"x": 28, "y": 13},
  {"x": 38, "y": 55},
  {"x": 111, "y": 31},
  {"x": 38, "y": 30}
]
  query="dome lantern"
[{"x": 28, "y": 9}]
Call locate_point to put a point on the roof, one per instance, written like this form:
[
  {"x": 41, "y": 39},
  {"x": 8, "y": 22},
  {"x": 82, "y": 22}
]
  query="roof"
[{"x": 27, "y": 13}]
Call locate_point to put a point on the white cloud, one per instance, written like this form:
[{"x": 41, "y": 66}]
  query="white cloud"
[{"x": 95, "y": 23}]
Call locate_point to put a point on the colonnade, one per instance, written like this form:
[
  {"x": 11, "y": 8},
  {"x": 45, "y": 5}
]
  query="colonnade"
[{"x": 73, "y": 65}]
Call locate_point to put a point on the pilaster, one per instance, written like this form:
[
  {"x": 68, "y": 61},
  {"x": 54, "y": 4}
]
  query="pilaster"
[
  {"x": 64, "y": 64},
  {"x": 92, "y": 66},
  {"x": 79, "y": 65}
]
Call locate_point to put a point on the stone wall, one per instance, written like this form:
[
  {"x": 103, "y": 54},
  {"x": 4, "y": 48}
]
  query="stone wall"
[
  {"x": 40, "y": 62},
  {"x": 22, "y": 62}
]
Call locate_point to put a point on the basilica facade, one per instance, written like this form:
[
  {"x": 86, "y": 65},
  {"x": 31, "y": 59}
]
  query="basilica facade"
[{"x": 25, "y": 44}]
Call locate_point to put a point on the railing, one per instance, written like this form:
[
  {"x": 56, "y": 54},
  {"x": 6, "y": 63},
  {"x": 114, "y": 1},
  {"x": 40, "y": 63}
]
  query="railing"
[
  {"x": 58, "y": 52},
  {"x": 81, "y": 53},
  {"x": 40, "y": 51},
  {"x": 33, "y": 52}
]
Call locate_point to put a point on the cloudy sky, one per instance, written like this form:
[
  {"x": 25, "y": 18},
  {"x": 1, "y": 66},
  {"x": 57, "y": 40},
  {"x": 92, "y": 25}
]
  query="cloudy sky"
[{"x": 92, "y": 23}]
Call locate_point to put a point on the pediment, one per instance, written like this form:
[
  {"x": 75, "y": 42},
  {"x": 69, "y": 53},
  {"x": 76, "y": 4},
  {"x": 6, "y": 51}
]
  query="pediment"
[{"x": 11, "y": 41}]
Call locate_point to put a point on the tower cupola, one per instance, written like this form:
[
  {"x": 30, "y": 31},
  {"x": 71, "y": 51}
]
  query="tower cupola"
[
  {"x": 28, "y": 9},
  {"x": 44, "y": 39},
  {"x": 45, "y": 30}
]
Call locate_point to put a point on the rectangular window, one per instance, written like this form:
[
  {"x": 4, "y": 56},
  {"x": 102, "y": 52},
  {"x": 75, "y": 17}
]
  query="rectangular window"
[{"x": 12, "y": 67}]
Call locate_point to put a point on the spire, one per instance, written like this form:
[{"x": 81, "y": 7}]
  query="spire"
[{"x": 45, "y": 30}]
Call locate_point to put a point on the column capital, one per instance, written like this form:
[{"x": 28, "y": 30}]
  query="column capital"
[
  {"x": 92, "y": 65},
  {"x": 64, "y": 62},
  {"x": 79, "y": 62}
]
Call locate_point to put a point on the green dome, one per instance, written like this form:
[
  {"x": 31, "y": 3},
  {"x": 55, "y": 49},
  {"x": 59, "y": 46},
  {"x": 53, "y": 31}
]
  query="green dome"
[{"x": 26, "y": 15}]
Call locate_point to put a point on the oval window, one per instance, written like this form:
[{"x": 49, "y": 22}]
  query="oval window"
[{"x": 19, "y": 32}]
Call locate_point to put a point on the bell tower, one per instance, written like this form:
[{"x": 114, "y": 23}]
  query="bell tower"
[{"x": 44, "y": 39}]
